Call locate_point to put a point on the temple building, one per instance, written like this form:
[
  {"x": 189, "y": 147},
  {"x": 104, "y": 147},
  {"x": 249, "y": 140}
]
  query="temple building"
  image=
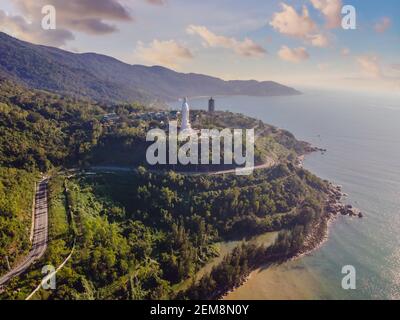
[{"x": 211, "y": 105}]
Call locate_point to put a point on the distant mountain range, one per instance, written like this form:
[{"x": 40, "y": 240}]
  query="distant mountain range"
[{"x": 106, "y": 79}]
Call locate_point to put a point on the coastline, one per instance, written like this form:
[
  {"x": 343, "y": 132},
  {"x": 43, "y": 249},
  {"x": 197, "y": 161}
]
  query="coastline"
[
  {"x": 320, "y": 229},
  {"x": 314, "y": 241}
]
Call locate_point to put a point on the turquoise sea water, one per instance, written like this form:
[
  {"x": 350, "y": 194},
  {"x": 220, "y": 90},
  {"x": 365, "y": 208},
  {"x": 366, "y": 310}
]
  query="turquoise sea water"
[{"x": 362, "y": 136}]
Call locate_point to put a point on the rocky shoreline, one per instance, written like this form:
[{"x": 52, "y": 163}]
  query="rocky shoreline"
[
  {"x": 320, "y": 230},
  {"x": 334, "y": 205}
]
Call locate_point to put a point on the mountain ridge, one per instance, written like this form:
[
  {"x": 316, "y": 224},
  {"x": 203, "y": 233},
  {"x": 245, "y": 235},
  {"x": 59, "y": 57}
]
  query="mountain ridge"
[{"x": 104, "y": 78}]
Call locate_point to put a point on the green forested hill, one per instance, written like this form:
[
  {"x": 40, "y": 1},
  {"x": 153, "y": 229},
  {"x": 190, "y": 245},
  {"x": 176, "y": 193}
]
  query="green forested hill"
[
  {"x": 38, "y": 129},
  {"x": 143, "y": 235},
  {"x": 41, "y": 130}
]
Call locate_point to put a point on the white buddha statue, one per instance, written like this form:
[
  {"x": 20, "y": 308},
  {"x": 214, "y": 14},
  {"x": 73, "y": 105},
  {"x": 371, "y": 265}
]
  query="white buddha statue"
[{"x": 185, "y": 116}]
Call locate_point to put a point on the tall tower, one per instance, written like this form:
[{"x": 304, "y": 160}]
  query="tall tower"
[
  {"x": 211, "y": 105},
  {"x": 185, "y": 116}
]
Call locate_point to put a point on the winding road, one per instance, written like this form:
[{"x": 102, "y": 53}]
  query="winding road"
[
  {"x": 269, "y": 163},
  {"x": 40, "y": 236}
]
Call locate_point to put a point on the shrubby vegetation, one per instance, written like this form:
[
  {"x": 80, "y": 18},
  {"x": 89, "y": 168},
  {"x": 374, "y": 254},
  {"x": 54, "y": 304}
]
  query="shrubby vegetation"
[{"x": 16, "y": 194}]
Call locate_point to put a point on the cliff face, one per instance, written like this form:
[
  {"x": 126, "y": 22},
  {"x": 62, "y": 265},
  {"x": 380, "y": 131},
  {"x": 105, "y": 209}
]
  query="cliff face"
[{"x": 104, "y": 78}]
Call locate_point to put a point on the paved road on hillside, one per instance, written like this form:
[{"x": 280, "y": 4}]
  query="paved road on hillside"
[
  {"x": 269, "y": 163},
  {"x": 40, "y": 235}
]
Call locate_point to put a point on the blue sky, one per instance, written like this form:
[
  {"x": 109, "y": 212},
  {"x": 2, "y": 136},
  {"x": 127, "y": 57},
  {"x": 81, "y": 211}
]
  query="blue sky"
[{"x": 296, "y": 42}]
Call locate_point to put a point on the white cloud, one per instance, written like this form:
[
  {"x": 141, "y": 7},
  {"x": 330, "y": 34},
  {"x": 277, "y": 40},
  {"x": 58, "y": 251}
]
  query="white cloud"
[
  {"x": 396, "y": 67},
  {"x": 246, "y": 47},
  {"x": 295, "y": 55},
  {"x": 291, "y": 23},
  {"x": 19, "y": 27},
  {"x": 345, "y": 52},
  {"x": 331, "y": 9},
  {"x": 167, "y": 53},
  {"x": 383, "y": 25},
  {"x": 377, "y": 75},
  {"x": 319, "y": 40},
  {"x": 370, "y": 66},
  {"x": 157, "y": 2},
  {"x": 323, "y": 66},
  {"x": 95, "y": 17}
]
